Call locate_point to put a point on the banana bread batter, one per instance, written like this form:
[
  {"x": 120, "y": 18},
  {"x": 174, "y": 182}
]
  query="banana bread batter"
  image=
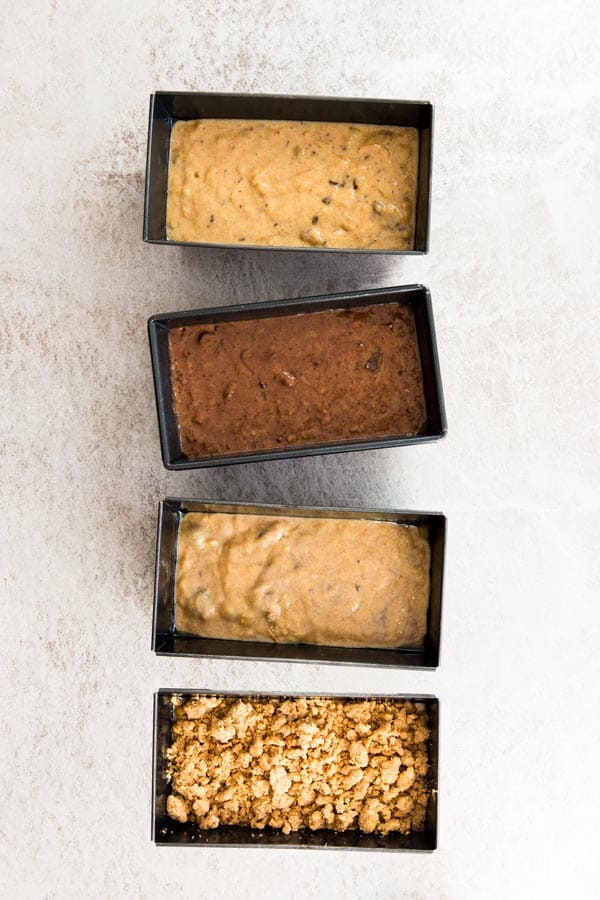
[
  {"x": 296, "y": 380},
  {"x": 279, "y": 183},
  {"x": 338, "y": 582}
]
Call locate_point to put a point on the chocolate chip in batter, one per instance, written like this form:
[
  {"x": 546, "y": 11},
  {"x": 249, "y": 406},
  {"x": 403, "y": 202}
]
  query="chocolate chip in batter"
[
  {"x": 374, "y": 361},
  {"x": 204, "y": 333}
]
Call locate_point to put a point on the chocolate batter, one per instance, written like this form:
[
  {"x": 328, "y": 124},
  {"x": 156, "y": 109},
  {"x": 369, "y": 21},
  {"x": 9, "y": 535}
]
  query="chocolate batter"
[
  {"x": 297, "y": 380},
  {"x": 337, "y": 582}
]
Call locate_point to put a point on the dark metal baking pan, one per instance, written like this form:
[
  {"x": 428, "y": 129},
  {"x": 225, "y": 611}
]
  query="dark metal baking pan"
[
  {"x": 167, "y": 642},
  {"x": 167, "y": 831},
  {"x": 167, "y": 107},
  {"x": 417, "y": 296}
]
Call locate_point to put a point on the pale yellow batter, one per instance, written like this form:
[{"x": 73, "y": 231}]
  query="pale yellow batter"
[
  {"x": 282, "y": 183},
  {"x": 340, "y": 582}
]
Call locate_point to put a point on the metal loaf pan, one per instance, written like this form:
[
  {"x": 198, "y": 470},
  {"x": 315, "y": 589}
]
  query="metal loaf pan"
[
  {"x": 416, "y": 296},
  {"x": 166, "y": 641},
  {"x": 167, "y": 107},
  {"x": 167, "y": 831}
]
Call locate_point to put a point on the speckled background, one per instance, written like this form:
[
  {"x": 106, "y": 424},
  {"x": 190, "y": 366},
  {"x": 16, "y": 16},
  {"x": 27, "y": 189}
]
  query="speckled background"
[{"x": 513, "y": 269}]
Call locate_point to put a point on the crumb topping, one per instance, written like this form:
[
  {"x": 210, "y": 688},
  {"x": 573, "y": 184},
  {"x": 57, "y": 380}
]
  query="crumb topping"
[{"x": 306, "y": 762}]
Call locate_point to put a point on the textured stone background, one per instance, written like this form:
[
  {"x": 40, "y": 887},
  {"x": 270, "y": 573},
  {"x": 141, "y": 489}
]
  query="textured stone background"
[{"x": 513, "y": 269}]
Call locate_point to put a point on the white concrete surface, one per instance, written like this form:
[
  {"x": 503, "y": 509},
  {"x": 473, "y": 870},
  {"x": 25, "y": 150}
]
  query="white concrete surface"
[{"x": 513, "y": 268}]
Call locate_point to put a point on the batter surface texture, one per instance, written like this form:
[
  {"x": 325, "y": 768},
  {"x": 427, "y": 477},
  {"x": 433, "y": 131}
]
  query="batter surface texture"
[
  {"x": 294, "y": 380},
  {"x": 280, "y": 183},
  {"x": 336, "y": 582}
]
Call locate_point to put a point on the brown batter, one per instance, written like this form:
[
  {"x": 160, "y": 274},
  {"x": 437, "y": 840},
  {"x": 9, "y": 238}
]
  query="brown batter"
[
  {"x": 338, "y": 582},
  {"x": 285, "y": 381},
  {"x": 279, "y": 183}
]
